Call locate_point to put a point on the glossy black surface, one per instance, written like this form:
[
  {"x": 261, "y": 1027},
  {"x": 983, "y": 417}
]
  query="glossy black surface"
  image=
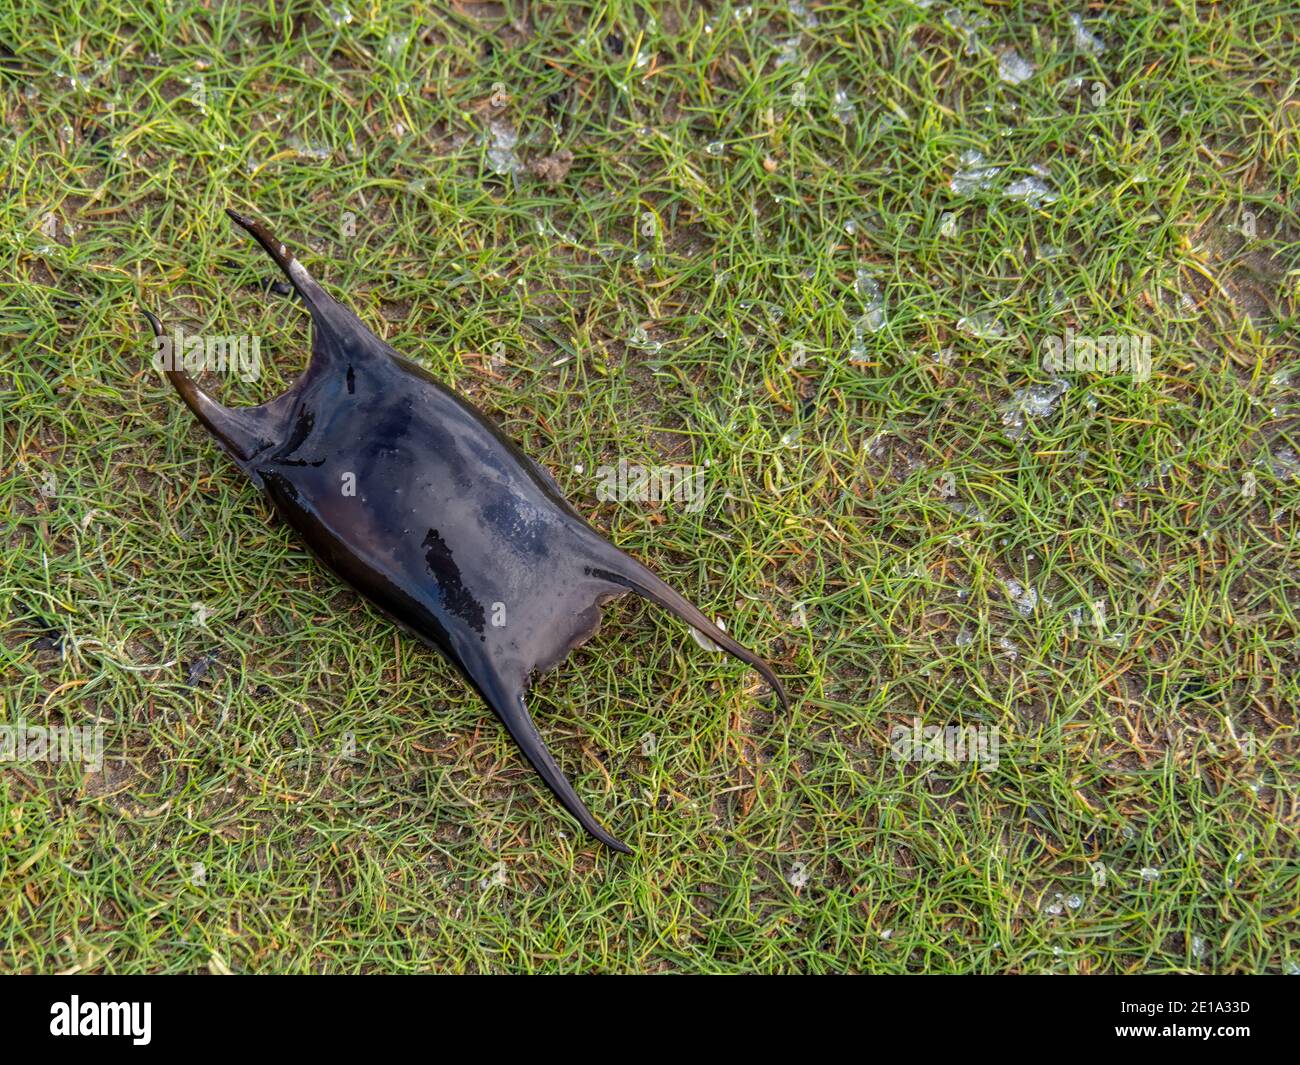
[{"x": 417, "y": 501}]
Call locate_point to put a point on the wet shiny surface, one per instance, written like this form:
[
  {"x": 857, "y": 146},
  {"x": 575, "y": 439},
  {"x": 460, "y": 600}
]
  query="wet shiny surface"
[
  {"x": 446, "y": 527},
  {"x": 415, "y": 499}
]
